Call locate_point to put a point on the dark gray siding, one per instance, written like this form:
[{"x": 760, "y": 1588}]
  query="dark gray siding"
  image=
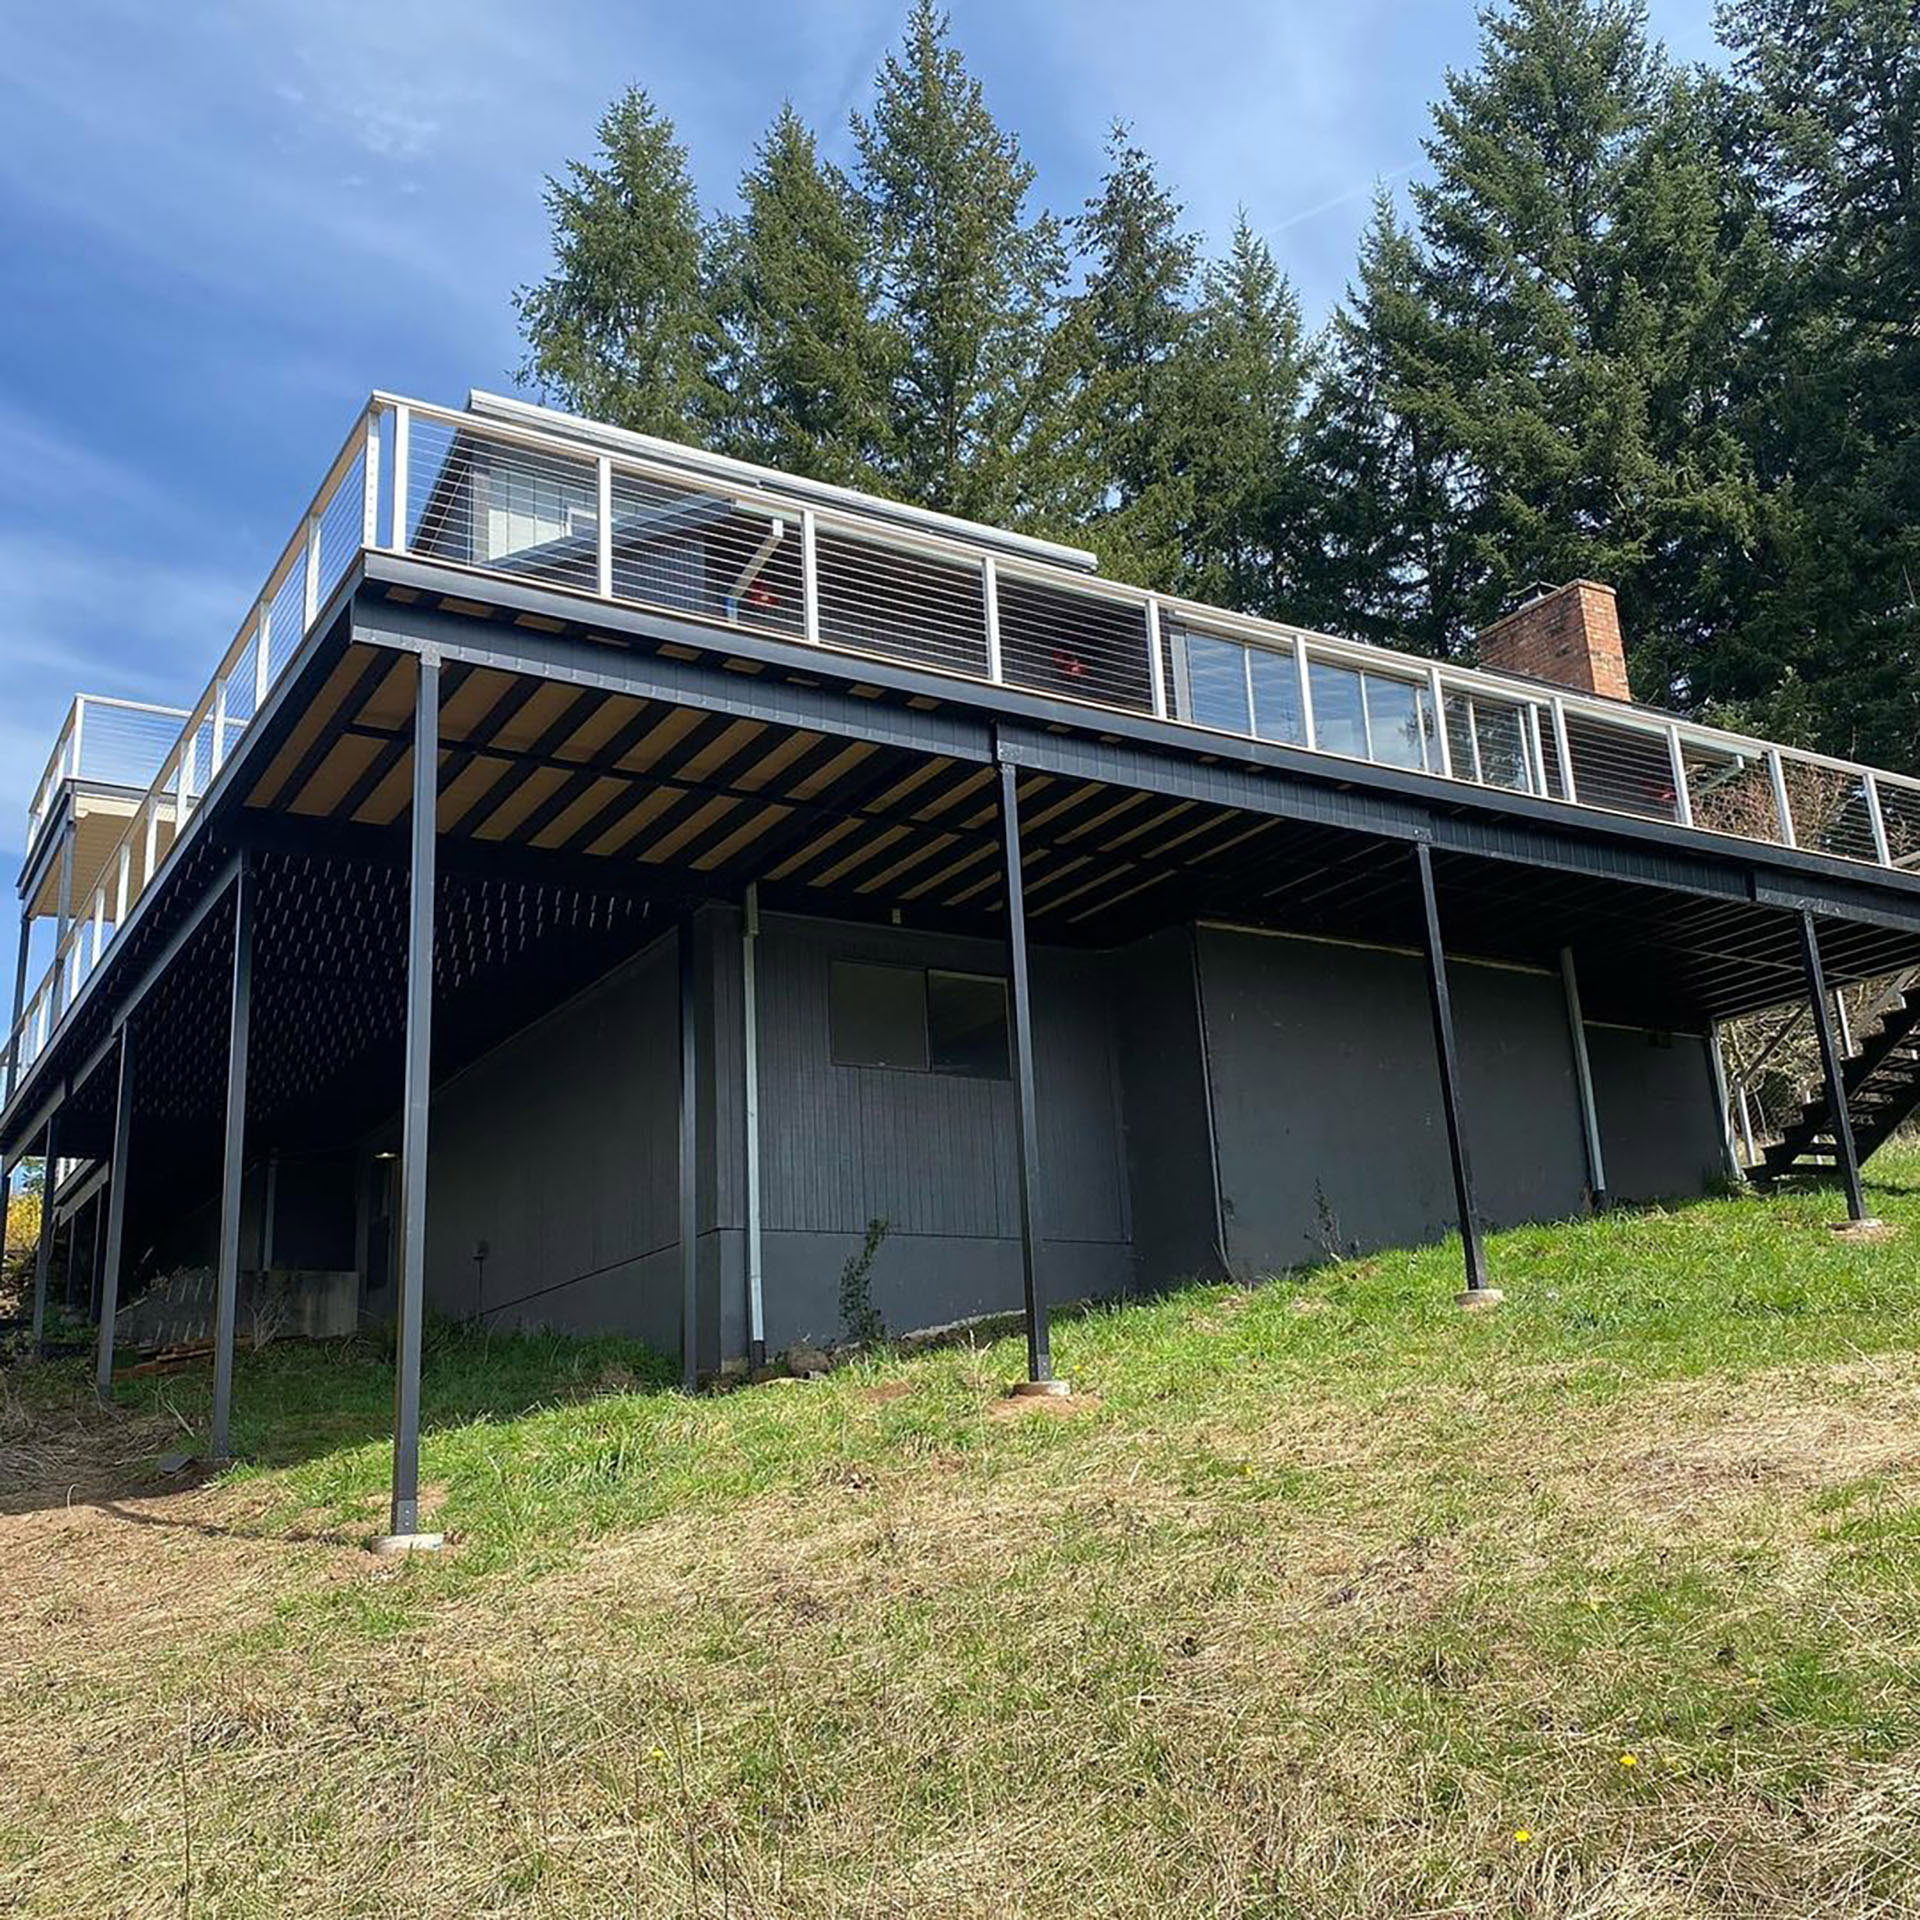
[
  {"x": 1326, "y": 1101},
  {"x": 559, "y": 1151},
  {"x": 1658, "y": 1125},
  {"x": 932, "y": 1154},
  {"x": 1170, "y": 1172}
]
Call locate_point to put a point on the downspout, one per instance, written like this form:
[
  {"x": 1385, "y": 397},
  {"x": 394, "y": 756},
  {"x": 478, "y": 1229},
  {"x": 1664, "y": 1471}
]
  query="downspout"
[{"x": 750, "y": 1013}]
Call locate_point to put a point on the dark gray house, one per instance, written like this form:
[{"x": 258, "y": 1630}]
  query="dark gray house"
[{"x": 602, "y": 880}]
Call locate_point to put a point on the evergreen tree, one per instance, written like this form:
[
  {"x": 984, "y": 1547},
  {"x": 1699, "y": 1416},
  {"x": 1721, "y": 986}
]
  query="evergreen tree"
[
  {"x": 1125, "y": 334},
  {"x": 623, "y": 328},
  {"x": 1575, "y": 243},
  {"x": 1236, "y": 459},
  {"x": 1831, "y": 647},
  {"x": 1385, "y": 559},
  {"x": 968, "y": 282},
  {"x": 809, "y": 363}
]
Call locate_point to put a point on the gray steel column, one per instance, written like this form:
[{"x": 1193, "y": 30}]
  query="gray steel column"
[
  {"x": 1441, "y": 1002},
  {"x": 750, "y": 1020},
  {"x": 1583, "y": 1074},
  {"x": 418, "y": 1100},
  {"x": 1830, "y": 1067},
  {"x": 116, "y": 1215},
  {"x": 19, "y": 1000},
  {"x": 43, "y": 1254},
  {"x": 226, "y": 1304},
  {"x": 1025, "y": 1120},
  {"x": 689, "y": 1163}
]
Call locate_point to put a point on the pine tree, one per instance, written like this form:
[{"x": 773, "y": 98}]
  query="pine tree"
[
  {"x": 808, "y": 361},
  {"x": 1575, "y": 235},
  {"x": 1831, "y": 97},
  {"x": 1385, "y": 558},
  {"x": 1125, "y": 333},
  {"x": 623, "y": 328},
  {"x": 1242, "y": 383},
  {"x": 969, "y": 283}
]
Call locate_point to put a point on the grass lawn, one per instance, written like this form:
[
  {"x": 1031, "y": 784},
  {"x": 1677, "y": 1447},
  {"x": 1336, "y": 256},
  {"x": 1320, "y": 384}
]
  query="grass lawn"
[{"x": 1322, "y": 1599}]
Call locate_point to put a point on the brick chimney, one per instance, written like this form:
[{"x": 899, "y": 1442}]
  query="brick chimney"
[{"x": 1570, "y": 634}]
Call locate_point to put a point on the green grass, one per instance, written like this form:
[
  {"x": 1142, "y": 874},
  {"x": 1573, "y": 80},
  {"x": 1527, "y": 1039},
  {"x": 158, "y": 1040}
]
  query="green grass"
[{"x": 1318, "y": 1597}]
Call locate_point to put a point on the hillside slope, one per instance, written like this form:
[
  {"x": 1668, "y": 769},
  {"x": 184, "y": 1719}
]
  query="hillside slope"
[{"x": 1323, "y": 1599}]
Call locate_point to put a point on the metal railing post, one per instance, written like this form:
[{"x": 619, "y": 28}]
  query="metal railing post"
[
  {"x": 1563, "y": 750},
  {"x": 1777, "y": 775},
  {"x": 1437, "y": 697},
  {"x": 1156, "y": 666},
  {"x": 262, "y": 654},
  {"x": 603, "y": 528},
  {"x": 1877, "y": 820},
  {"x": 1309, "y": 732},
  {"x": 1682, "y": 800},
  {"x": 310, "y": 599},
  {"x": 809, "y": 578},
  {"x": 370, "y": 480},
  {"x": 402, "y": 452},
  {"x": 1536, "y": 746},
  {"x": 79, "y": 726}
]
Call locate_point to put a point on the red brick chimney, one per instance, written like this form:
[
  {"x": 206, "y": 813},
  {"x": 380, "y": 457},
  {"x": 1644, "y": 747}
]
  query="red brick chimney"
[{"x": 1570, "y": 634}]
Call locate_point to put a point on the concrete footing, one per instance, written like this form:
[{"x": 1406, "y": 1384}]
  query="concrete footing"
[
  {"x": 1868, "y": 1229},
  {"x": 1042, "y": 1390},
  {"x": 390, "y": 1543},
  {"x": 1478, "y": 1299}
]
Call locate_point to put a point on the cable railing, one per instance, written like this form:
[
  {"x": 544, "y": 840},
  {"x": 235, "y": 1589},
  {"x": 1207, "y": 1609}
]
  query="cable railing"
[
  {"x": 103, "y": 742},
  {"x": 577, "y": 511}
]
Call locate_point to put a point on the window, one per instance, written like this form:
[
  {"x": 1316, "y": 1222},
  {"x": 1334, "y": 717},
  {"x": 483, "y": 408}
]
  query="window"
[
  {"x": 1276, "y": 697},
  {"x": 1217, "y": 683},
  {"x": 918, "y": 1021},
  {"x": 1339, "y": 715},
  {"x": 967, "y": 1024}
]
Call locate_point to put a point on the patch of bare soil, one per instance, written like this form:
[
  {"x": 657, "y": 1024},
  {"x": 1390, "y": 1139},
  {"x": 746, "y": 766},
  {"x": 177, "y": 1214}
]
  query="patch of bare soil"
[
  {"x": 887, "y": 1390},
  {"x": 1058, "y": 1406}
]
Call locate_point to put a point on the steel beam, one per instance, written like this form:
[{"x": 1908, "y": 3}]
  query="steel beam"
[
  {"x": 116, "y": 1214},
  {"x": 1445, "y": 1058},
  {"x": 1025, "y": 1121},
  {"x": 689, "y": 1162},
  {"x": 750, "y": 1022},
  {"x": 226, "y": 1306},
  {"x": 1842, "y": 1125},
  {"x": 405, "y": 1522}
]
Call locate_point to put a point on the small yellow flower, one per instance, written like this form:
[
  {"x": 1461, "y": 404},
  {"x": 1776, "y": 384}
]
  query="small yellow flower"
[
  {"x": 1629, "y": 1759},
  {"x": 1522, "y": 1835},
  {"x": 658, "y": 1753}
]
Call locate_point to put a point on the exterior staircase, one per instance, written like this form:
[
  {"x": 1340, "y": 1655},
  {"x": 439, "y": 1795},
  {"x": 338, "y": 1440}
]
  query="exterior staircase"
[{"x": 1882, "y": 1081}]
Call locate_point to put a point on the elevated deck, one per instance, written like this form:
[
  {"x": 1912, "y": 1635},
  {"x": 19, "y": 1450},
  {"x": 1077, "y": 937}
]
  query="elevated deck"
[{"x": 557, "y": 525}]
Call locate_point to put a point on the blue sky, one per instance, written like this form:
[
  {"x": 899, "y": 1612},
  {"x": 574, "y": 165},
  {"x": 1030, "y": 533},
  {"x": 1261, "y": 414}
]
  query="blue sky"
[{"x": 224, "y": 223}]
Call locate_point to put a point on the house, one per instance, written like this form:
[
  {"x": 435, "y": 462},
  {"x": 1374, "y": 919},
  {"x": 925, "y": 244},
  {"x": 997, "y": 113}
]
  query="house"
[{"x": 609, "y": 886}]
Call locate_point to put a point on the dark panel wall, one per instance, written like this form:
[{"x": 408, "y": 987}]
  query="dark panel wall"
[
  {"x": 931, "y": 1153},
  {"x": 1658, "y": 1124},
  {"x": 1163, "y": 1079},
  {"x": 559, "y": 1151},
  {"x": 1326, "y": 1101}
]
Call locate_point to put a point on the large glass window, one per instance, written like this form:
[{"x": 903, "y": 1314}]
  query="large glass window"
[
  {"x": 1276, "y": 697},
  {"x": 1217, "y": 683},
  {"x": 1394, "y": 728},
  {"x": 918, "y": 1021},
  {"x": 1339, "y": 712},
  {"x": 967, "y": 1024}
]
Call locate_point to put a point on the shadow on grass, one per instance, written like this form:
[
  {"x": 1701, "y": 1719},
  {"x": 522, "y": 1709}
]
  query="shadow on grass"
[{"x": 293, "y": 1402}]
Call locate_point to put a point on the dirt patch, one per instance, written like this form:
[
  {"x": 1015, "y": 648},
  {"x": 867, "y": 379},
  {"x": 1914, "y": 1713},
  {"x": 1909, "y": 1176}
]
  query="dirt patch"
[
  {"x": 1869, "y": 1232},
  {"x": 1059, "y": 1406},
  {"x": 887, "y": 1390}
]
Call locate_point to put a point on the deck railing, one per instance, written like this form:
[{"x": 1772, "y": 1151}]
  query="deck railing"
[
  {"x": 106, "y": 743},
  {"x": 503, "y": 498}
]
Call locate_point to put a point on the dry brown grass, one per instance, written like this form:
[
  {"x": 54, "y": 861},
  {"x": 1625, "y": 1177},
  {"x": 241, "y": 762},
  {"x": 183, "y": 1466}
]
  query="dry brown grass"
[{"x": 1234, "y": 1639}]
